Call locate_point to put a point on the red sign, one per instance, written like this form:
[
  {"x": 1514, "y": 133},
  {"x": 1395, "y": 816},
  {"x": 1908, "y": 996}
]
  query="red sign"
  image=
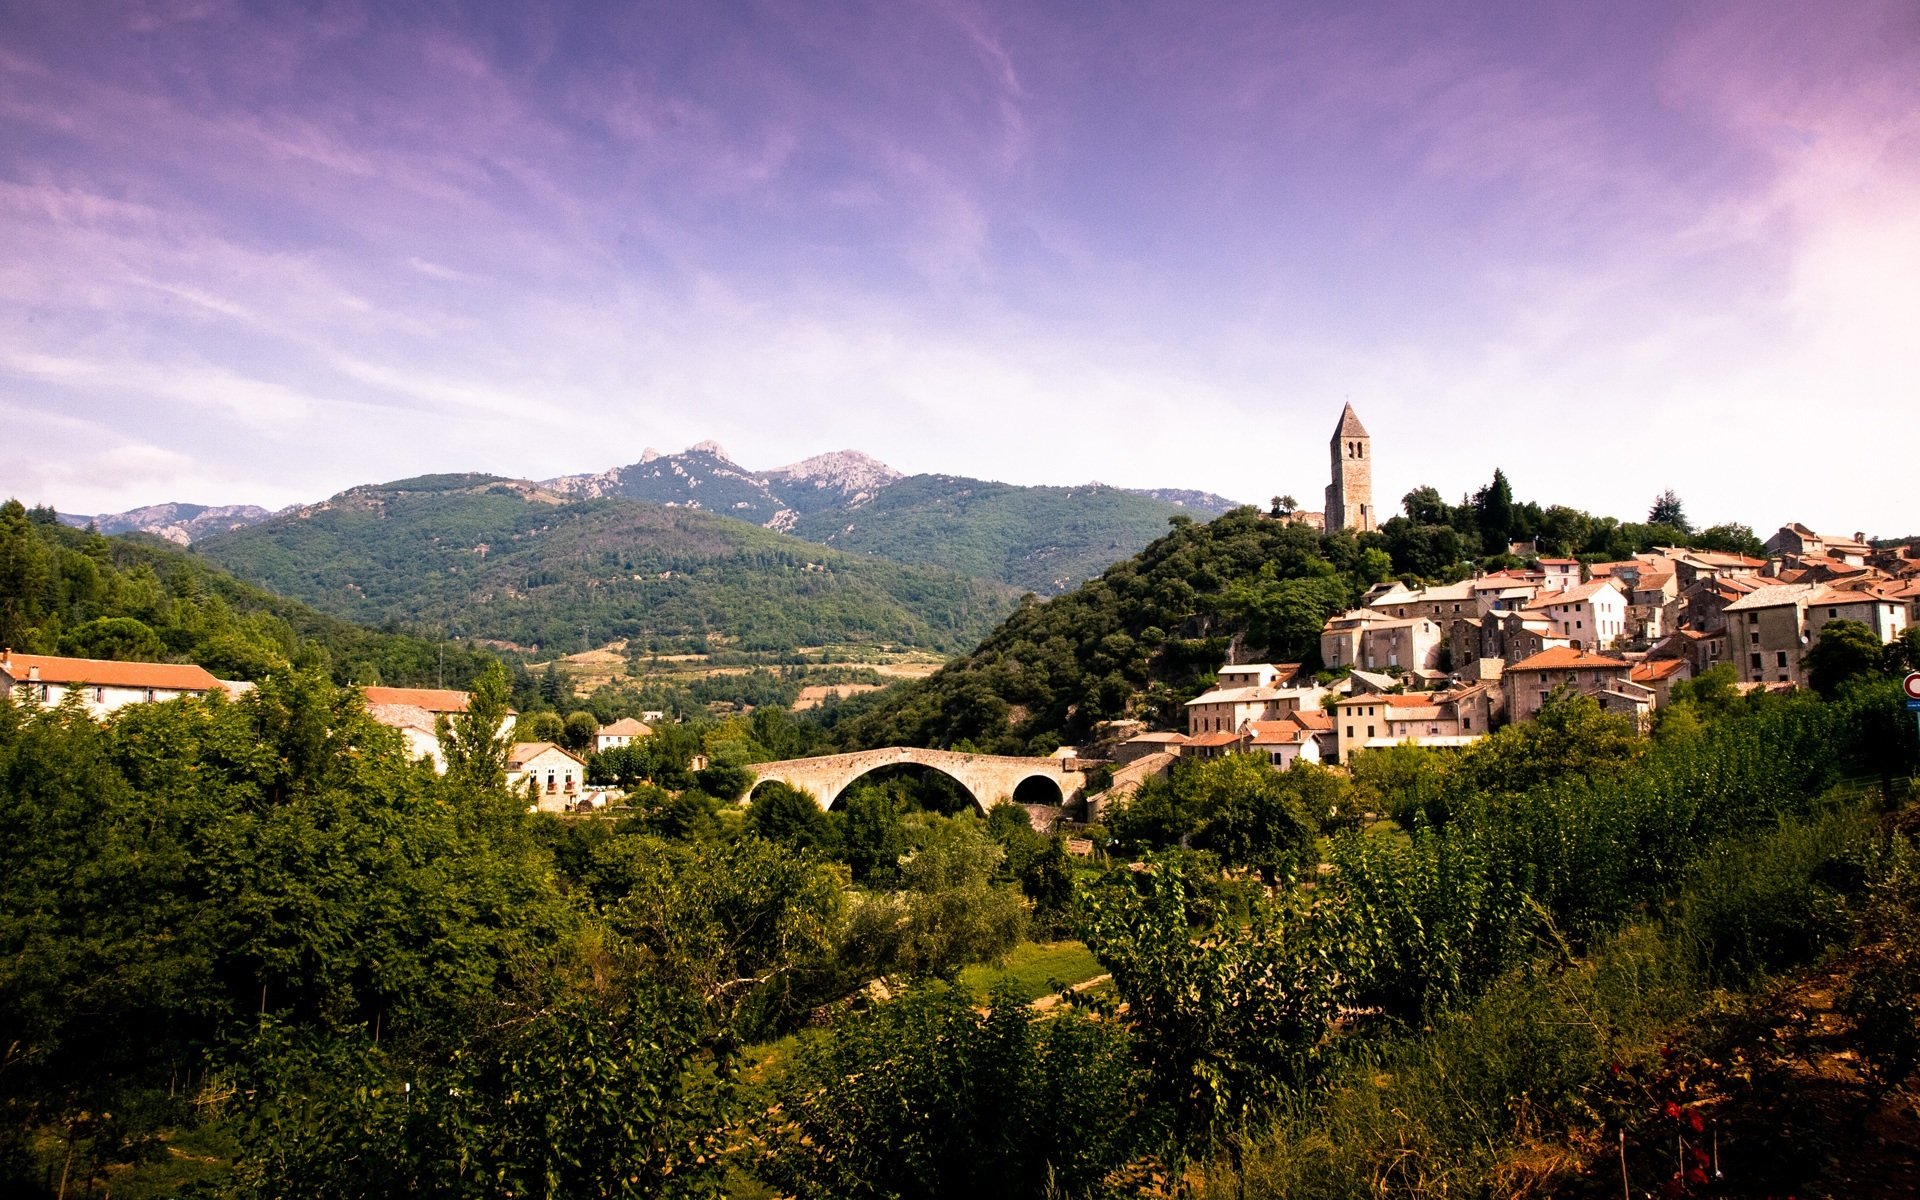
[{"x": 1912, "y": 684}]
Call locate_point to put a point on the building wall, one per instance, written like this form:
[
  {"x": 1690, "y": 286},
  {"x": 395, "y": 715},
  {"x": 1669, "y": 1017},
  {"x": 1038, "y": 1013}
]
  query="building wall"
[
  {"x": 1350, "y": 495},
  {"x": 100, "y": 699},
  {"x": 1764, "y": 644}
]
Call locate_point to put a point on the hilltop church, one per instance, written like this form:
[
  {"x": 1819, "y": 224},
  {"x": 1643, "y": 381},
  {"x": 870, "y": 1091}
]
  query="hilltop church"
[{"x": 1350, "y": 494}]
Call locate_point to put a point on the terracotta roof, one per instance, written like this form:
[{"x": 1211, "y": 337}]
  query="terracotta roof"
[
  {"x": 1312, "y": 718},
  {"x": 439, "y": 700},
  {"x": 1562, "y": 658},
  {"x": 1350, "y": 425},
  {"x": 626, "y": 727},
  {"x": 47, "y": 668},
  {"x": 1168, "y": 738},
  {"x": 1559, "y": 562},
  {"x": 1655, "y": 669},
  {"x": 1654, "y": 580},
  {"x": 1574, "y": 594},
  {"x": 1222, "y": 737},
  {"x": 1268, "y": 733},
  {"x": 525, "y": 752}
]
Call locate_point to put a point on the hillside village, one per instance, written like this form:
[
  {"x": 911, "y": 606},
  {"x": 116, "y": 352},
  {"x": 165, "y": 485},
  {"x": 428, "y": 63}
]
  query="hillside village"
[{"x": 1443, "y": 666}]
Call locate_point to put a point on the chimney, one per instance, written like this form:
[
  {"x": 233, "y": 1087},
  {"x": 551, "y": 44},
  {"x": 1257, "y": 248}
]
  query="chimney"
[{"x": 33, "y": 673}]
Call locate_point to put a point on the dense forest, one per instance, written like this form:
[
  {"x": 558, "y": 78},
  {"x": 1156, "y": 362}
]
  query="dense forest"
[
  {"x": 74, "y": 592},
  {"x": 1143, "y": 638},
  {"x": 500, "y": 559}
]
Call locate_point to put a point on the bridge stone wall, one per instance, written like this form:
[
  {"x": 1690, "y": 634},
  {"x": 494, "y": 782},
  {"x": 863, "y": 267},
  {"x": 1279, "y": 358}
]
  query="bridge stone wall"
[{"x": 988, "y": 778}]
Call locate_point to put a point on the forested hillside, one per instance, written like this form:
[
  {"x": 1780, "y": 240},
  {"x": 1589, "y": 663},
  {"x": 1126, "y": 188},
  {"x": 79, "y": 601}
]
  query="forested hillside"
[
  {"x": 1138, "y": 640},
  {"x": 1039, "y": 539},
  {"x": 506, "y": 560},
  {"x": 64, "y": 591}
]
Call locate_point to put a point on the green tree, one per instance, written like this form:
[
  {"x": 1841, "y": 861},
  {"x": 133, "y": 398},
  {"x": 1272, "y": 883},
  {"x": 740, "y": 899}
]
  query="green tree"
[
  {"x": 790, "y": 816},
  {"x": 1493, "y": 511},
  {"x": 1667, "y": 510},
  {"x": 1846, "y": 650},
  {"x": 115, "y": 638},
  {"x": 579, "y": 731},
  {"x": 471, "y": 742}
]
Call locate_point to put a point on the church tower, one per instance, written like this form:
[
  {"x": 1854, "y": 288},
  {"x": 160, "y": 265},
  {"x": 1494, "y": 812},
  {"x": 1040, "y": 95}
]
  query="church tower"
[{"x": 1350, "y": 495}]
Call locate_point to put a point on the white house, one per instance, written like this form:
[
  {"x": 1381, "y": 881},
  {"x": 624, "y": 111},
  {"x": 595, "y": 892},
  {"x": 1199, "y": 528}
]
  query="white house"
[
  {"x": 102, "y": 684},
  {"x": 555, "y": 775},
  {"x": 623, "y": 732},
  {"x": 1590, "y": 615},
  {"x": 415, "y": 712}
]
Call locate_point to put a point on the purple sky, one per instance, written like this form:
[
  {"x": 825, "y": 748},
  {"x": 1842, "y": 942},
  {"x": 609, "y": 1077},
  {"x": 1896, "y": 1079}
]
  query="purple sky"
[{"x": 261, "y": 252}]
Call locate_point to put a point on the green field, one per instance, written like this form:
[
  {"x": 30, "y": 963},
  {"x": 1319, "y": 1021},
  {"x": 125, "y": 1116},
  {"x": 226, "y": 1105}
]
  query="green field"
[{"x": 1036, "y": 969}]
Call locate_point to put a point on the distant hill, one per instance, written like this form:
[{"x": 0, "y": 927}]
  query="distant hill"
[
  {"x": 526, "y": 564},
  {"x": 134, "y": 596},
  {"x": 178, "y": 523},
  {"x": 1039, "y": 539}
]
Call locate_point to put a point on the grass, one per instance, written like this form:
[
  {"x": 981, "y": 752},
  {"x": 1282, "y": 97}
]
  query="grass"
[{"x": 1036, "y": 969}]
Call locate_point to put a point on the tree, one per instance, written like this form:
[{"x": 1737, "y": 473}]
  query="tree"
[
  {"x": 788, "y": 815},
  {"x": 1668, "y": 511},
  {"x": 1493, "y": 511},
  {"x": 1846, "y": 650},
  {"x": 579, "y": 730},
  {"x": 470, "y": 741},
  {"x": 1731, "y": 538},
  {"x": 1424, "y": 506},
  {"x": 1248, "y": 814}
]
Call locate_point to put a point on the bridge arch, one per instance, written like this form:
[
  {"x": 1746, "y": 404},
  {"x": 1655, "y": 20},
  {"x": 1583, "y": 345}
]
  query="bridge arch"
[{"x": 986, "y": 779}]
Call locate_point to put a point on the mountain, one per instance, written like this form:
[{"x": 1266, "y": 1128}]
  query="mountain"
[
  {"x": 180, "y": 523},
  {"x": 1039, "y": 539},
  {"x": 703, "y": 477},
  {"x": 1205, "y": 502},
  {"x": 528, "y": 564}
]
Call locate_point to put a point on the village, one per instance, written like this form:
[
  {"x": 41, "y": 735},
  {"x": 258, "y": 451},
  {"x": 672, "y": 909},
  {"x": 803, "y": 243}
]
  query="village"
[{"x": 1444, "y": 666}]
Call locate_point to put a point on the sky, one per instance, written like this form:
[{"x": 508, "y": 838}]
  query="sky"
[{"x": 259, "y": 253}]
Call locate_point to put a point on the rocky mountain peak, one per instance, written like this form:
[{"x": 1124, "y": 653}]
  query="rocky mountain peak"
[{"x": 849, "y": 472}]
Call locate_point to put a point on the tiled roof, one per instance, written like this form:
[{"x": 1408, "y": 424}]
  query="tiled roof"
[
  {"x": 1562, "y": 658},
  {"x": 1655, "y": 669},
  {"x": 626, "y": 727},
  {"x": 525, "y": 752},
  {"x": 1772, "y": 596},
  {"x": 1222, "y": 737},
  {"x": 1350, "y": 425},
  {"x": 1573, "y": 595},
  {"x": 1269, "y": 733},
  {"x": 439, "y": 700},
  {"x": 47, "y": 668}
]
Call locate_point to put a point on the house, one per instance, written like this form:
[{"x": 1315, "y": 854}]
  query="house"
[
  {"x": 1274, "y": 675},
  {"x": 1142, "y": 745},
  {"x": 1249, "y": 692},
  {"x": 1409, "y": 644},
  {"x": 1559, "y": 574},
  {"x": 1879, "y": 606},
  {"x": 554, "y": 776},
  {"x": 621, "y": 733},
  {"x": 416, "y": 713},
  {"x": 1652, "y": 597},
  {"x": 1797, "y": 540},
  {"x": 1340, "y": 636},
  {"x": 1658, "y": 675},
  {"x": 1530, "y": 681},
  {"x": 1766, "y": 633},
  {"x": 1283, "y": 743},
  {"x": 1591, "y": 615},
  {"x": 1510, "y": 637},
  {"x": 1700, "y": 651},
  {"x": 1447, "y": 719},
  {"x": 103, "y": 685}
]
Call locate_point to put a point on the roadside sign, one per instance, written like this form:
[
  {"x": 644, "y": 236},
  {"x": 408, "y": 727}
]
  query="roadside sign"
[
  {"x": 1913, "y": 706},
  {"x": 1912, "y": 685}
]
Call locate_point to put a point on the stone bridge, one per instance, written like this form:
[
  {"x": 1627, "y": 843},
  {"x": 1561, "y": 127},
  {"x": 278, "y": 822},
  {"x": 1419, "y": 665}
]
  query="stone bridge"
[{"x": 988, "y": 778}]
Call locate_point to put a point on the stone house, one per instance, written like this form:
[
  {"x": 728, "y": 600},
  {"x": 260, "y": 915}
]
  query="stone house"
[
  {"x": 1658, "y": 675},
  {"x": 103, "y": 685},
  {"x": 1448, "y": 719},
  {"x": 1767, "y": 633},
  {"x": 1530, "y": 681},
  {"x": 1797, "y": 540},
  {"x": 554, "y": 775}
]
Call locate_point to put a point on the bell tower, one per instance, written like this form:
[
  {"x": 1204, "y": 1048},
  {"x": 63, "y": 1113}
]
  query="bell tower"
[{"x": 1350, "y": 495}]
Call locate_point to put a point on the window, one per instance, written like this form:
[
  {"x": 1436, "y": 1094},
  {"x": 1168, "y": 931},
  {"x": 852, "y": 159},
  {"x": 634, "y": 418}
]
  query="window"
[
  {"x": 1753, "y": 639},
  {"x": 1349, "y": 731},
  {"x": 1466, "y": 723},
  {"x": 1369, "y": 731},
  {"x": 1756, "y": 661},
  {"x": 1780, "y": 658},
  {"x": 1753, "y": 618}
]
